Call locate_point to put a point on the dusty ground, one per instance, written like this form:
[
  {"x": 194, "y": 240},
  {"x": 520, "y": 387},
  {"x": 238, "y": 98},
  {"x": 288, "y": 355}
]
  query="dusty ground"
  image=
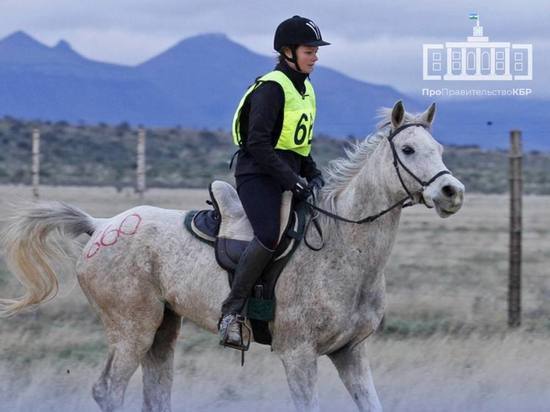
[{"x": 447, "y": 347}]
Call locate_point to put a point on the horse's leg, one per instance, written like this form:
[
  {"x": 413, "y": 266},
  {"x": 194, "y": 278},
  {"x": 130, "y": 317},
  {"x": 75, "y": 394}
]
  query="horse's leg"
[
  {"x": 158, "y": 364},
  {"x": 354, "y": 370},
  {"x": 123, "y": 360},
  {"x": 109, "y": 389},
  {"x": 301, "y": 373},
  {"x": 131, "y": 314}
]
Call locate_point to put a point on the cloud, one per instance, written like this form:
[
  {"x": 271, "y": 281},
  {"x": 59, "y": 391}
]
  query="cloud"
[
  {"x": 354, "y": 19},
  {"x": 373, "y": 41}
]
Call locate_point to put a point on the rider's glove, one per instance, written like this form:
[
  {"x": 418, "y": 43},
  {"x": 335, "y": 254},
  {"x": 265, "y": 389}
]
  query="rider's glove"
[
  {"x": 301, "y": 189},
  {"x": 316, "y": 183}
]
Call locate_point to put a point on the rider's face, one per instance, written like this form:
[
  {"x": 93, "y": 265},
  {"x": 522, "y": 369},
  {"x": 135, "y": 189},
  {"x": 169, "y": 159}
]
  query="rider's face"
[{"x": 306, "y": 57}]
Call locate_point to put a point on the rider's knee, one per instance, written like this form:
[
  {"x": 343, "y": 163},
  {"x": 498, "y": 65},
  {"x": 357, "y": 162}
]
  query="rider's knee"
[{"x": 269, "y": 239}]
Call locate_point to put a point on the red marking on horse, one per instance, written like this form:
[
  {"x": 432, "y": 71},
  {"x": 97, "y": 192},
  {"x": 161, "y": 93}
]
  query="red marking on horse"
[{"x": 110, "y": 235}]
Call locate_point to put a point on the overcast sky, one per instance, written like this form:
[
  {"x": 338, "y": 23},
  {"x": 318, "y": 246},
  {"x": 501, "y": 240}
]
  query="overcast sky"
[{"x": 375, "y": 41}]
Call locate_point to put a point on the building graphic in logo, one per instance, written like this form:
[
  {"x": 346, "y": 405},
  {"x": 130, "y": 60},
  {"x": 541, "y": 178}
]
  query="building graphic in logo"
[{"x": 477, "y": 59}]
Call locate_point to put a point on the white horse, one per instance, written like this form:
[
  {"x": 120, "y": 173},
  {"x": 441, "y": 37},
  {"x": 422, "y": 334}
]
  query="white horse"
[{"x": 143, "y": 273}]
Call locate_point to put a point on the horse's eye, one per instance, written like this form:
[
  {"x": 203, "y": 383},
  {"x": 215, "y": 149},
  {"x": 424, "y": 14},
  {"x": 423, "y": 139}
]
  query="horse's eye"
[{"x": 407, "y": 150}]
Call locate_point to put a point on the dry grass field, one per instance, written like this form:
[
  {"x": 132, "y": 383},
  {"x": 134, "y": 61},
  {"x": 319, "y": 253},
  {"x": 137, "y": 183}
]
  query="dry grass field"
[{"x": 446, "y": 346}]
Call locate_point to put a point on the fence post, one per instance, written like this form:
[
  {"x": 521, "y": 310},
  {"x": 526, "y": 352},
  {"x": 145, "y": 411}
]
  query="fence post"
[
  {"x": 35, "y": 170},
  {"x": 514, "y": 276},
  {"x": 141, "y": 162}
]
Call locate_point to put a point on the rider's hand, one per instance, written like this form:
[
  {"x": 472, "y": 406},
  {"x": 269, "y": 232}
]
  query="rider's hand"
[
  {"x": 316, "y": 183},
  {"x": 301, "y": 189}
]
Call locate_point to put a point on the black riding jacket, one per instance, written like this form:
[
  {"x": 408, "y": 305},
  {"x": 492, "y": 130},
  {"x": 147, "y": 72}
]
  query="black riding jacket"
[{"x": 261, "y": 124}]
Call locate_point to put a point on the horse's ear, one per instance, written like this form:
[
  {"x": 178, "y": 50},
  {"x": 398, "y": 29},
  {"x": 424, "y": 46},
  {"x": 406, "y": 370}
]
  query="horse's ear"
[
  {"x": 397, "y": 114},
  {"x": 429, "y": 115}
]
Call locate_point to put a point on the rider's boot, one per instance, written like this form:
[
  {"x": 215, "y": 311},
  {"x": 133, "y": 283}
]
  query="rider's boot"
[{"x": 251, "y": 265}]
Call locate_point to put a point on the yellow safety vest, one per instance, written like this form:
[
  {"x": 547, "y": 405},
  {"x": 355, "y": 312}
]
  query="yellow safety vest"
[{"x": 298, "y": 115}]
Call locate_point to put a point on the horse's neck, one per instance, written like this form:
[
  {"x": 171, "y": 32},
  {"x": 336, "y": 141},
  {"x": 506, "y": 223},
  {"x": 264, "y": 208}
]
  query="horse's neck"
[{"x": 366, "y": 247}]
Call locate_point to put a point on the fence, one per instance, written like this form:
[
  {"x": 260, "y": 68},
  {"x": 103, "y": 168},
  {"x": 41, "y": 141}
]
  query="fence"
[{"x": 515, "y": 226}]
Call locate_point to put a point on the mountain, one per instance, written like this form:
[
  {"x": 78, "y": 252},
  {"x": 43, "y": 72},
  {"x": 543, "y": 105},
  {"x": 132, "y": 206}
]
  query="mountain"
[
  {"x": 57, "y": 83},
  {"x": 208, "y": 75},
  {"x": 205, "y": 76},
  {"x": 198, "y": 82}
]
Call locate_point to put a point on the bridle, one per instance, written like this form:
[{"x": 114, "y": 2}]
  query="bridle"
[{"x": 396, "y": 163}]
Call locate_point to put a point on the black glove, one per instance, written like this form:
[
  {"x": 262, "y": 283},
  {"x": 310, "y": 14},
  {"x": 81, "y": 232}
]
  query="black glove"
[
  {"x": 316, "y": 183},
  {"x": 301, "y": 189}
]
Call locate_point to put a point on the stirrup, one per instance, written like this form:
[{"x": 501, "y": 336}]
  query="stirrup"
[{"x": 241, "y": 320}]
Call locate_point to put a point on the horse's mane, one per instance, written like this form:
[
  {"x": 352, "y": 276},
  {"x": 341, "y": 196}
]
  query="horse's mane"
[{"x": 342, "y": 170}]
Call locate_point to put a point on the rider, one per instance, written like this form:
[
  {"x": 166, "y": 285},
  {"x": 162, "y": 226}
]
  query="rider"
[{"x": 273, "y": 126}]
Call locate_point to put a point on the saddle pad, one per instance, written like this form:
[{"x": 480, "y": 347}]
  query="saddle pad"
[{"x": 233, "y": 221}]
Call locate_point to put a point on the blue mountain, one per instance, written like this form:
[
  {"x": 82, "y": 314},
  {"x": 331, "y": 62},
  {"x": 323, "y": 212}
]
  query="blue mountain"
[
  {"x": 198, "y": 82},
  {"x": 208, "y": 74},
  {"x": 56, "y": 83}
]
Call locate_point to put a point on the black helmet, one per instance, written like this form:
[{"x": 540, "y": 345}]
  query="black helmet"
[{"x": 297, "y": 31}]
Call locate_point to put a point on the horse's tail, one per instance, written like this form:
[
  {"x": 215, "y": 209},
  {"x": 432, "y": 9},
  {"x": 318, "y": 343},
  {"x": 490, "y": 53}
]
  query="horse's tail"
[{"x": 30, "y": 250}]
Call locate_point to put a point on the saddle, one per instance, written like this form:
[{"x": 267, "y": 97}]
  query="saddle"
[{"x": 227, "y": 229}]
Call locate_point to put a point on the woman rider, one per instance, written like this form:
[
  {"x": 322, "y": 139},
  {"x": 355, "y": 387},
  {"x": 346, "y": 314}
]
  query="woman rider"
[{"x": 273, "y": 126}]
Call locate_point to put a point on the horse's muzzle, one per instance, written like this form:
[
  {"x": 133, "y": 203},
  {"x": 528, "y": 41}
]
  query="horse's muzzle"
[{"x": 446, "y": 195}]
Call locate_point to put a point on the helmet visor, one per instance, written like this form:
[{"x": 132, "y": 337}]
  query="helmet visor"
[{"x": 315, "y": 43}]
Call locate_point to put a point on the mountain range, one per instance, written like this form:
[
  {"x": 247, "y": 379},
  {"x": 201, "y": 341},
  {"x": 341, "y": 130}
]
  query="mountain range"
[{"x": 198, "y": 82}]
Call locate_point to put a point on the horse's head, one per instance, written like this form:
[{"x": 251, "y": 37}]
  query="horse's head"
[{"x": 418, "y": 166}]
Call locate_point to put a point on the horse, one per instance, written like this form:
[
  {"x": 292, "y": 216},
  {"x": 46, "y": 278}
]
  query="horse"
[{"x": 142, "y": 273}]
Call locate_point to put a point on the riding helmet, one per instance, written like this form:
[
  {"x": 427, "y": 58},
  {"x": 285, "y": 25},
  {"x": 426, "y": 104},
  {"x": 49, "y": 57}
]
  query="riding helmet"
[{"x": 297, "y": 31}]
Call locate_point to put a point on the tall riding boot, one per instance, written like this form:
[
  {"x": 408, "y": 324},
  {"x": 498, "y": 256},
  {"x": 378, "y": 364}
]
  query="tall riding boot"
[{"x": 251, "y": 265}]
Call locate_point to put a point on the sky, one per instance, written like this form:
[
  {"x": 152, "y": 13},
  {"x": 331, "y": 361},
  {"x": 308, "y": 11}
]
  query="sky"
[{"x": 375, "y": 41}]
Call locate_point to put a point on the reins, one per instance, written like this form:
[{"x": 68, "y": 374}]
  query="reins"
[{"x": 396, "y": 163}]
